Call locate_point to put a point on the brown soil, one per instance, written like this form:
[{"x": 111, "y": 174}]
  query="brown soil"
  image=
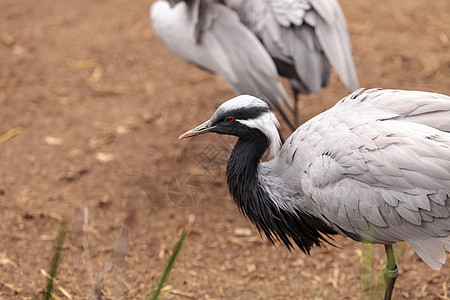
[{"x": 101, "y": 103}]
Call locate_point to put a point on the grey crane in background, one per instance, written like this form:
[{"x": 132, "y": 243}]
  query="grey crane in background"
[
  {"x": 375, "y": 167},
  {"x": 303, "y": 37},
  {"x": 211, "y": 36}
]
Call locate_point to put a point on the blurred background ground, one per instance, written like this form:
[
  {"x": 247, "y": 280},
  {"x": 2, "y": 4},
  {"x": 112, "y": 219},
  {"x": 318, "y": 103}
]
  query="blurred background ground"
[{"x": 101, "y": 103}]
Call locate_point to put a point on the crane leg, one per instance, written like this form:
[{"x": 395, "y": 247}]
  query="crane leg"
[
  {"x": 296, "y": 99},
  {"x": 391, "y": 272}
]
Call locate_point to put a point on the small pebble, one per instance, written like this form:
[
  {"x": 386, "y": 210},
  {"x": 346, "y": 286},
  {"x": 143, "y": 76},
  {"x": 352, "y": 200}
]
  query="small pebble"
[
  {"x": 251, "y": 268},
  {"x": 242, "y": 232},
  {"x": 18, "y": 50},
  {"x": 122, "y": 130},
  {"x": 53, "y": 141},
  {"x": 104, "y": 157}
]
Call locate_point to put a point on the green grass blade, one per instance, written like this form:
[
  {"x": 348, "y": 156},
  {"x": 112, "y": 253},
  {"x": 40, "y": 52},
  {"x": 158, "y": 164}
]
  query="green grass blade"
[
  {"x": 366, "y": 270},
  {"x": 374, "y": 288},
  {"x": 60, "y": 238},
  {"x": 166, "y": 272}
]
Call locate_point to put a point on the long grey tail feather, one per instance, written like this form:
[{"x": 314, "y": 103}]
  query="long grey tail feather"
[{"x": 432, "y": 251}]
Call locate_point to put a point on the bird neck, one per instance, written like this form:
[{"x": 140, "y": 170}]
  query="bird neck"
[
  {"x": 245, "y": 159},
  {"x": 251, "y": 195}
]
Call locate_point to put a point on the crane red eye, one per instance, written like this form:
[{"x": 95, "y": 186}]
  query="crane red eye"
[{"x": 229, "y": 119}]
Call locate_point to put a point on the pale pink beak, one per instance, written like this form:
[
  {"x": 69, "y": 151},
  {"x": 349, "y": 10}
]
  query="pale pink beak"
[{"x": 200, "y": 129}]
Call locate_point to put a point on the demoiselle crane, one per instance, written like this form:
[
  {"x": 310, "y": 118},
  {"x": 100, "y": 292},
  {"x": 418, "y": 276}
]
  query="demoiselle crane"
[
  {"x": 211, "y": 36},
  {"x": 303, "y": 37},
  {"x": 375, "y": 168}
]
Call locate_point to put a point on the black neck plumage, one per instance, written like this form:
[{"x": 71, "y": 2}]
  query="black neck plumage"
[{"x": 277, "y": 224}]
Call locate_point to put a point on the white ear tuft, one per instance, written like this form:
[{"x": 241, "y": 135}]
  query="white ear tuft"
[{"x": 268, "y": 124}]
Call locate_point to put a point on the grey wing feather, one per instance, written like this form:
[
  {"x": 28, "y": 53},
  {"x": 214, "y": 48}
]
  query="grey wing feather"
[
  {"x": 255, "y": 71},
  {"x": 373, "y": 170},
  {"x": 196, "y": 22},
  {"x": 431, "y": 109},
  {"x": 296, "y": 45},
  {"x": 224, "y": 46},
  {"x": 333, "y": 35},
  {"x": 304, "y": 34}
]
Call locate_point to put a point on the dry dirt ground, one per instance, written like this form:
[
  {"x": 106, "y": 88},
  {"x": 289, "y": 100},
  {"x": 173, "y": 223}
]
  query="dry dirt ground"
[{"x": 101, "y": 102}]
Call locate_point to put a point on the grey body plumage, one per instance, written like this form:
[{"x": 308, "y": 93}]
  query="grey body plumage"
[
  {"x": 375, "y": 167},
  {"x": 254, "y": 201}
]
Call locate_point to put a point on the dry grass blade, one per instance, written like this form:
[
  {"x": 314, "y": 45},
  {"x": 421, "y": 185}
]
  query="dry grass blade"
[
  {"x": 10, "y": 134},
  {"x": 47, "y": 294},
  {"x": 60, "y": 288},
  {"x": 83, "y": 64},
  {"x": 166, "y": 272},
  {"x": 181, "y": 293},
  {"x": 97, "y": 293},
  {"x": 85, "y": 244}
]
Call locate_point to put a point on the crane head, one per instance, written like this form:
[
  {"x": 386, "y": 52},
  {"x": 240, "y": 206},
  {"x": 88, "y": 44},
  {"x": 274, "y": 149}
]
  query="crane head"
[{"x": 245, "y": 117}]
